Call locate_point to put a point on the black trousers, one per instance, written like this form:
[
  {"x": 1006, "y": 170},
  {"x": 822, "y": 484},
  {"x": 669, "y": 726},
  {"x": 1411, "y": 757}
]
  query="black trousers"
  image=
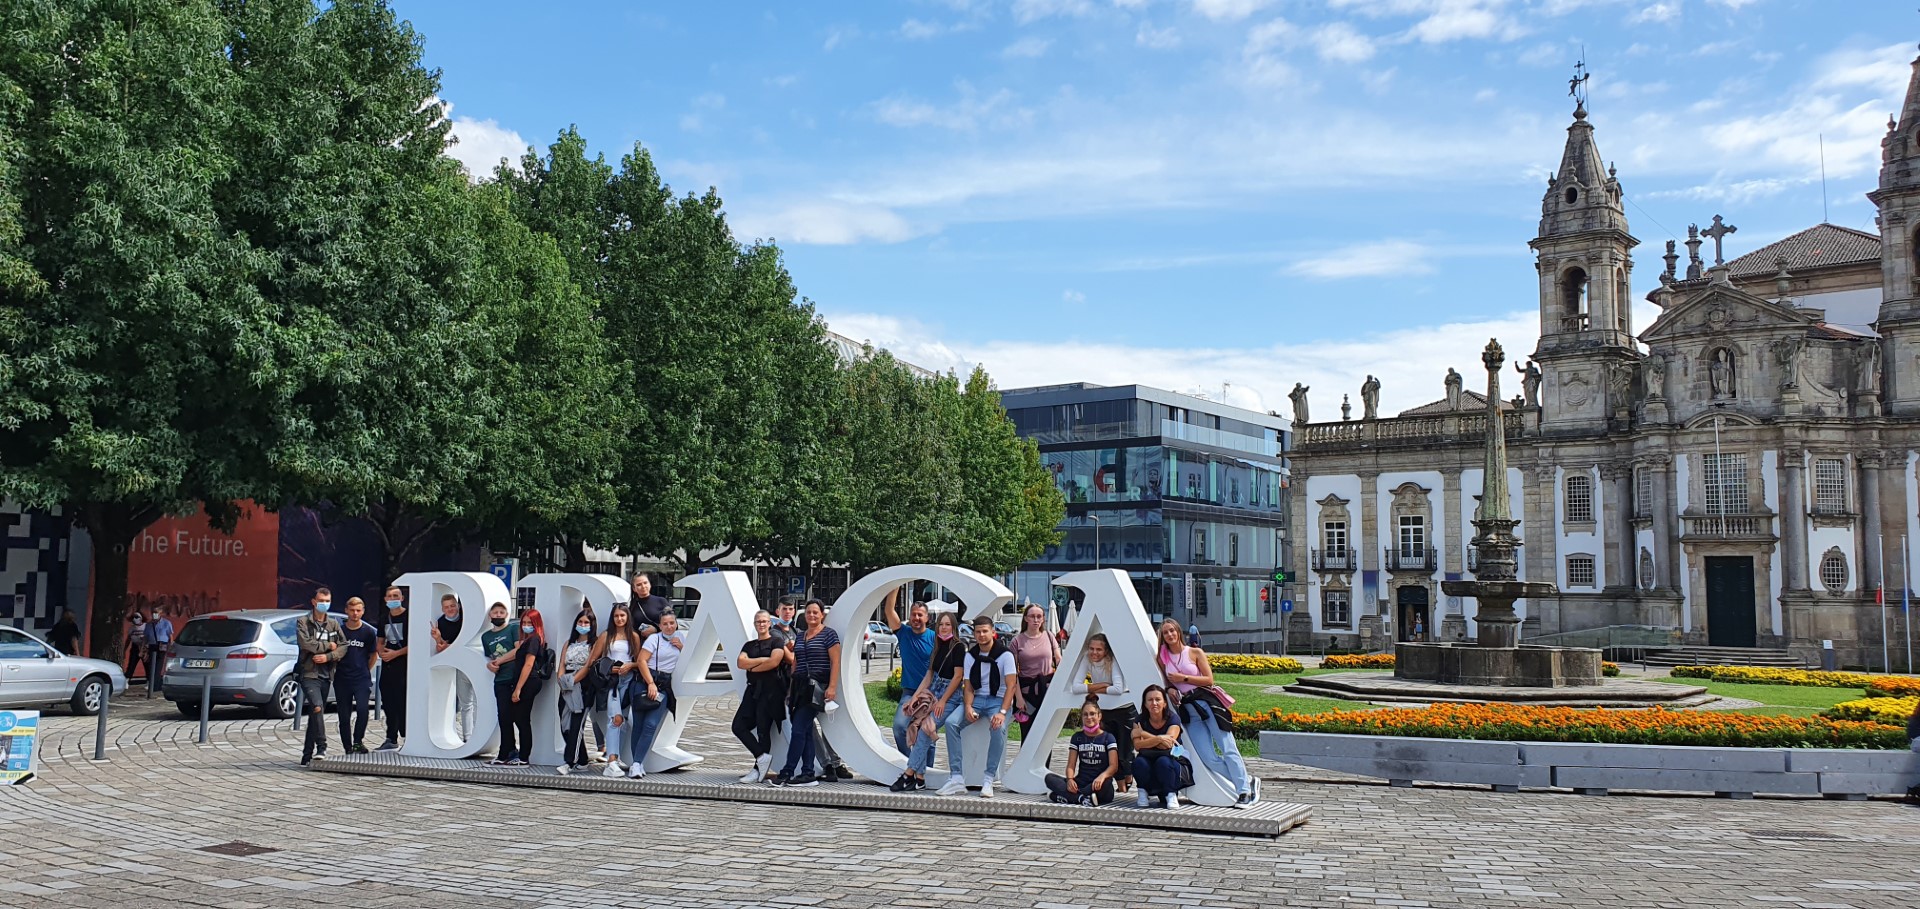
[
  {"x": 1057, "y": 789},
  {"x": 573, "y": 726},
  {"x": 1119, "y": 721},
  {"x": 503, "y": 711},
  {"x": 352, "y": 703},
  {"x": 754, "y": 723},
  {"x": 393, "y": 698},
  {"x": 314, "y": 691}
]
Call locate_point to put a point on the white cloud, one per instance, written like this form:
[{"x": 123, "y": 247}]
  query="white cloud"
[
  {"x": 838, "y": 35},
  {"x": 825, "y": 223},
  {"x": 1341, "y": 42},
  {"x": 1877, "y": 68},
  {"x": 1442, "y": 21},
  {"x": 1658, "y": 12},
  {"x": 1027, "y": 48},
  {"x": 1229, "y": 10},
  {"x": 1367, "y": 260},
  {"x": 1410, "y": 362},
  {"x": 1073, "y": 296},
  {"x": 966, "y": 114},
  {"x": 480, "y": 145},
  {"x": 1025, "y": 11},
  {"x": 1156, "y": 38},
  {"x": 1131, "y": 4},
  {"x": 1739, "y": 192},
  {"x": 1733, "y": 4},
  {"x": 916, "y": 29}
]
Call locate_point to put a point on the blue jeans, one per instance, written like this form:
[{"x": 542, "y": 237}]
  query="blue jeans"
[
  {"x": 985, "y": 706},
  {"x": 802, "y": 751},
  {"x": 921, "y": 755},
  {"x": 647, "y": 723},
  {"x": 901, "y": 722},
  {"x": 1214, "y": 748},
  {"x": 1158, "y": 775}
]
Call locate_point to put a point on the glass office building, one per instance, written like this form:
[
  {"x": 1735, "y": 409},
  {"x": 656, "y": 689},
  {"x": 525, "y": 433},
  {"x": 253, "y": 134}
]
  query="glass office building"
[{"x": 1186, "y": 495}]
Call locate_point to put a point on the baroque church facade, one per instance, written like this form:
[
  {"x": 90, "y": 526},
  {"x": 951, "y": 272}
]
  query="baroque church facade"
[{"x": 1745, "y": 471}]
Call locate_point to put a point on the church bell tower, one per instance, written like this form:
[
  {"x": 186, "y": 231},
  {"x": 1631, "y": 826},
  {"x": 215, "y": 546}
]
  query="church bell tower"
[
  {"x": 1584, "y": 259},
  {"x": 1898, "y": 198}
]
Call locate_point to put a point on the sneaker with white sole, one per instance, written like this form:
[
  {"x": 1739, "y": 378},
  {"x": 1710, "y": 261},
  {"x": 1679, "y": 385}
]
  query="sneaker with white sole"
[
  {"x": 763, "y": 764},
  {"x": 563, "y": 769},
  {"x": 1173, "y": 801},
  {"x": 954, "y": 786},
  {"x": 637, "y": 770},
  {"x": 612, "y": 771},
  {"x": 753, "y": 776},
  {"x": 1140, "y": 798},
  {"x": 986, "y": 789}
]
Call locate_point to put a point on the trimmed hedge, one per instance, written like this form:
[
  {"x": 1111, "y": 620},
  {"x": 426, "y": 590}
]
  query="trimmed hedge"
[{"x": 1522, "y": 723}]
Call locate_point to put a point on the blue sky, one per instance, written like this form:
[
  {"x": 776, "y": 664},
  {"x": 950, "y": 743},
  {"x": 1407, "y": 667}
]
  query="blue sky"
[{"x": 1191, "y": 193}]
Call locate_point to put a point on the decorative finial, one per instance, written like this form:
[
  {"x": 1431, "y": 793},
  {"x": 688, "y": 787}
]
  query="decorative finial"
[
  {"x": 1673, "y": 261},
  {"x": 1782, "y": 281},
  {"x": 1719, "y": 232},
  {"x": 1577, "y": 86}
]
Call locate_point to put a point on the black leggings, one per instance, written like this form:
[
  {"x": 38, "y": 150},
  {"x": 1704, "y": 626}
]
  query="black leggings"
[
  {"x": 756, "y": 720},
  {"x": 1119, "y": 721},
  {"x": 514, "y": 719},
  {"x": 576, "y": 747},
  {"x": 393, "y": 698},
  {"x": 1057, "y": 787}
]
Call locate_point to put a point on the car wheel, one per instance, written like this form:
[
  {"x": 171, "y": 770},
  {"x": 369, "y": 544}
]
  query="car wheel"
[
  {"x": 286, "y": 699},
  {"x": 187, "y": 710},
  {"x": 92, "y": 693}
]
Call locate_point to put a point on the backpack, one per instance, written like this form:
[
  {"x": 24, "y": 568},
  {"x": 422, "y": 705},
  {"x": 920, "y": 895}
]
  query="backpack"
[{"x": 543, "y": 664}]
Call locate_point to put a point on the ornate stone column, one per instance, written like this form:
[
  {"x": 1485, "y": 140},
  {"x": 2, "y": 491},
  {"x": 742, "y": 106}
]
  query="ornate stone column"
[
  {"x": 1871, "y": 463},
  {"x": 1366, "y": 608},
  {"x": 1666, "y": 544},
  {"x": 1453, "y": 549},
  {"x": 1617, "y": 513},
  {"x": 1793, "y": 519}
]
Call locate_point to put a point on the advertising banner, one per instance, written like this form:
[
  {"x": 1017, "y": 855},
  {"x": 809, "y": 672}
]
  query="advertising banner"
[{"x": 19, "y": 739}]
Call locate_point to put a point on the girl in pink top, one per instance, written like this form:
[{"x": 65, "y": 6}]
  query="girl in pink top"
[
  {"x": 1035, "y": 656},
  {"x": 1187, "y": 669}
]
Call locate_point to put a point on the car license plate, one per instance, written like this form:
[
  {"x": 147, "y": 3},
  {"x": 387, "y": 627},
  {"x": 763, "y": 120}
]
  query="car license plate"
[{"x": 198, "y": 664}]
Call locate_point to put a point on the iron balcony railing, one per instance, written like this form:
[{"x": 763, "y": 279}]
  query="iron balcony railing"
[
  {"x": 1410, "y": 558},
  {"x": 1333, "y": 559}
]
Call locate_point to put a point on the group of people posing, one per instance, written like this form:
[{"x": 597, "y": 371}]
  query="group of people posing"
[{"x": 618, "y": 681}]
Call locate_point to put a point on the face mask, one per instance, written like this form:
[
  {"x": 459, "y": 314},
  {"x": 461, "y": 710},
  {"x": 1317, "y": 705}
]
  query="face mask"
[
  {"x": 526, "y": 629},
  {"x": 946, "y": 635},
  {"x": 583, "y": 629},
  {"x": 1092, "y": 728},
  {"x": 394, "y": 606},
  {"x": 321, "y": 607},
  {"x": 499, "y": 623}
]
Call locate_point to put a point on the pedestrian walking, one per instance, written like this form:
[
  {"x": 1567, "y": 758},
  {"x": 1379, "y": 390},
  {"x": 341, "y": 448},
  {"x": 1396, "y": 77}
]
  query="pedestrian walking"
[
  {"x": 353, "y": 677},
  {"x": 159, "y": 643},
  {"x": 65, "y": 636},
  {"x": 322, "y": 647},
  {"x": 136, "y": 643}
]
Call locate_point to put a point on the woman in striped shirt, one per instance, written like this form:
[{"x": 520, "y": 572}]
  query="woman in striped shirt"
[{"x": 816, "y": 667}]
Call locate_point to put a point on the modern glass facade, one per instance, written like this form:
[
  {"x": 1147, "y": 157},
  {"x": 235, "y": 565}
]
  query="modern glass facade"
[{"x": 1186, "y": 495}]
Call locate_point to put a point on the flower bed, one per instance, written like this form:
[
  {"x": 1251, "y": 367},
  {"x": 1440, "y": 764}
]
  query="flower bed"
[
  {"x": 1254, "y": 664},
  {"x": 1609, "y": 669},
  {"x": 1892, "y": 711},
  {"x": 1894, "y": 686},
  {"x": 1766, "y": 675},
  {"x": 1516, "y": 722},
  {"x": 1358, "y": 661}
]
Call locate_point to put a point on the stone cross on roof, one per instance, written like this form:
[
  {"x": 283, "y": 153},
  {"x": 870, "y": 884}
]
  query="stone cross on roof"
[{"x": 1718, "y": 232}]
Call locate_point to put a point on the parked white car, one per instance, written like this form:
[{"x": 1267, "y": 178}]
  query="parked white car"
[{"x": 35, "y": 674}]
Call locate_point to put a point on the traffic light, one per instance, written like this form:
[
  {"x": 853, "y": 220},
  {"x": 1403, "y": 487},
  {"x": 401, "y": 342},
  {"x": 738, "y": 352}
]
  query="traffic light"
[
  {"x": 1282, "y": 576},
  {"x": 1264, "y": 594}
]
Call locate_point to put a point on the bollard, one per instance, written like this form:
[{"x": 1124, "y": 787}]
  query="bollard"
[
  {"x": 100, "y": 730},
  {"x": 299, "y": 704},
  {"x": 206, "y": 704}
]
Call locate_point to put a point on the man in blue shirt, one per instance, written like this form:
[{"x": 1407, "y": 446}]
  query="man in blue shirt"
[
  {"x": 159, "y": 636},
  {"x": 916, "y": 650}
]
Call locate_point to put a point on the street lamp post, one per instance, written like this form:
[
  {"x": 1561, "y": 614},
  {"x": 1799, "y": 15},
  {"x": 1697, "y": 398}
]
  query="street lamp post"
[{"x": 1096, "y": 539}]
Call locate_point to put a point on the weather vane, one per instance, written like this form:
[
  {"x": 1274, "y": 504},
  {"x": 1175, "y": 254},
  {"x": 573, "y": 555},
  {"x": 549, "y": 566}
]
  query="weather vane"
[{"x": 1577, "y": 86}]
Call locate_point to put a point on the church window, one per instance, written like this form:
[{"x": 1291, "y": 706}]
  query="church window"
[
  {"x": 1725, "y": 479},
  {"x": 1336, "y": 609},
  {"x": 1643, "y": 492},
  {"x": 1833, "y": 571},
  {"x": 1573, "y": 195},
  {"x": 1573, "y": 300},
  {"x": 1829, "y": 486},
  {"x": 1579, "y": 499},
  {"x": 1580, "y": 571},
  {"x": 1622, "y": 306}
]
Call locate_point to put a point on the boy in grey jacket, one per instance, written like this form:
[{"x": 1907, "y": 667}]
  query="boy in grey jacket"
[{"x": 322, "y": 645}]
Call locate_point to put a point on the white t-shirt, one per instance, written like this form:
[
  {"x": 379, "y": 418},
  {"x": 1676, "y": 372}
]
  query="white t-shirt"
[
  {"x": 666, "y": 657},
  {"x": 1002, "y": 667}
]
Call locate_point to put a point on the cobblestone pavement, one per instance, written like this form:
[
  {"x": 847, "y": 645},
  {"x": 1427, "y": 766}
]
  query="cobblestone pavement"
[{"x": 131, "y": 833}]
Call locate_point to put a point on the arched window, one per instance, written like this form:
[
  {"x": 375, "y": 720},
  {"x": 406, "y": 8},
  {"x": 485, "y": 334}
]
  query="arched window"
[
  {"x": 1579, "y": 499},
  {"x": 1573, "y": 300},
  {"x": 1622, "y": 306}
]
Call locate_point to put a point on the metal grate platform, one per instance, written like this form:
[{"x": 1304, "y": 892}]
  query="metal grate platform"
[{"x": 1268, "y": 819}]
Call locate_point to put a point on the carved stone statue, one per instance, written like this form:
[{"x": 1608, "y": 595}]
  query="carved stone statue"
[
  {"x": 1620, "y": 384},
  {"x": 1370, "y": 399},
  {"x": 1299, "y": 397},
  {"x": 1786, "y": 352},
  {"x": 1654, "y": 371},
  {"x": 1529, "y": 382},
  {"x": 1454, "y": 382},
  {"x": 1720, "y": 374},
  {"x": 1866, "y": 367},
  {"x": 1346, "y": 408}
]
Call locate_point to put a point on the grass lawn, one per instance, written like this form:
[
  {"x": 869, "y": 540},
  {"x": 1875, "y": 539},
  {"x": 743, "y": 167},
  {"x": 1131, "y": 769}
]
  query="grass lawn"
[{"x": 1779, "y": 700}]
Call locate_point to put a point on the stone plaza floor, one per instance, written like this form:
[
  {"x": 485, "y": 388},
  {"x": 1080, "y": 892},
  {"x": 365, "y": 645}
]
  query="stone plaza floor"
[{"x": 136, "y": 832}]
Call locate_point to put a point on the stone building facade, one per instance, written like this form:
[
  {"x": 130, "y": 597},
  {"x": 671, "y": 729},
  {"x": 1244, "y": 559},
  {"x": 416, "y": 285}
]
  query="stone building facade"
[{"x": 1745, "y": 471}]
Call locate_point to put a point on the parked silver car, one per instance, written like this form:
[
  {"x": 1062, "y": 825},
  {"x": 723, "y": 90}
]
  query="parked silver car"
[
  {"x": 33, "y": 673},
  {"x": 250, "y": 653},
  {"x": 879, "y": 642}
]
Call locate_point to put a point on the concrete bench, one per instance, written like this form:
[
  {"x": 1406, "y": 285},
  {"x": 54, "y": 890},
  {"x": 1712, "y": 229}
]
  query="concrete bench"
[{"x": 1596, "y": 769}]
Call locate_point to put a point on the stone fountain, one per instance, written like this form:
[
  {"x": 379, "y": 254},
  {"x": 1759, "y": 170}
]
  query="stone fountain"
[{"x": 1497, "y": 657}]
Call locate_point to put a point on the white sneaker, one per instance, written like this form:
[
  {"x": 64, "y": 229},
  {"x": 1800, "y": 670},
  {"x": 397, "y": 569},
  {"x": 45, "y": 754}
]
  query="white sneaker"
[
  {"x": 763, "y": 764},
  {"x": 1173, "y": 801},
  {"x": 1140, "y": 798},
  {"x": 955, "y": 786},
  {"x": 563, "y": 770},
  {"x": 638, "y": 770},
  {"x": 613, "y": 770},
  {"x": 753, "y": 776},
  {"x": 986, "y": 789},
  {"x": 594, "y": 756}
]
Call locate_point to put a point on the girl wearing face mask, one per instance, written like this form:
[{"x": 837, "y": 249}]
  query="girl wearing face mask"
[
  {"x": 1096, "y": 761},
  {"x": 612, "y": 658},
  {"x": 575, "y": 706},
  {"x": 1104, "y": 683},
  {"x": 939, "y": 684},
  {"x": 659, "y": 657},
  {"x": 500, "y": 643},
  {"x": 532, "y": 641}
]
